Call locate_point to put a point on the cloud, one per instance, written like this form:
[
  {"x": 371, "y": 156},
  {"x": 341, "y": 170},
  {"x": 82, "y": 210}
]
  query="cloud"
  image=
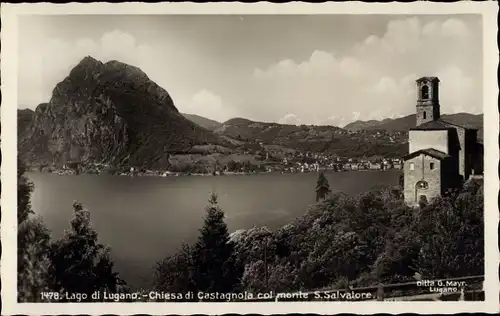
[
  {"x": 335, "y": 121},
  {"x": 376, "y": 76},
  {"x": 355, "y": 116},
  {"x": 207, "y": 104},
  {"x": 291, "y": 119},
  {"x": 39, "y": 72},
  {"x": 461, "y": 92}
]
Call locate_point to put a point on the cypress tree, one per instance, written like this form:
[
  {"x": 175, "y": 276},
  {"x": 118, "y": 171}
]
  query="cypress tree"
[
  {"x": 322, "y": 187},
  {"x": 213, "y": 253}
]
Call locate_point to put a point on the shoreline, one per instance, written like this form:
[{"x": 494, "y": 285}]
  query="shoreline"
[{"x": 180, "y": 174}]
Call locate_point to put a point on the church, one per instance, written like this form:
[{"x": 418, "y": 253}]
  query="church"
[{"x": 442, "y": 155}]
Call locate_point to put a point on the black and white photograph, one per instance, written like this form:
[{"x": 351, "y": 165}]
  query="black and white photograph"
[{"x": 250, "y": 158}]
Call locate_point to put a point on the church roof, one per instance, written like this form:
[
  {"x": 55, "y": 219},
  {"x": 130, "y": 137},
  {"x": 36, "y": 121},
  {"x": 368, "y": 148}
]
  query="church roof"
[
  {"x": 440, "y": 125},
  {"x": 466, "y": 126},
  {"x": 429, "y": 152},
  {"x": 433, "y": 125}
]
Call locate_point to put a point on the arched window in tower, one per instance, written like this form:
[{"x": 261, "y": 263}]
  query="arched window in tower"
[
  {"x": 425, "y": 115},
  {"x": 425, "y": 92}
]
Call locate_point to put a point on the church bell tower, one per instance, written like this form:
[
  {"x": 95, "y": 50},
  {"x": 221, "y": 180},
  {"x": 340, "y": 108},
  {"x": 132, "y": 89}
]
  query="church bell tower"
[{"x": 428, "y": 108}]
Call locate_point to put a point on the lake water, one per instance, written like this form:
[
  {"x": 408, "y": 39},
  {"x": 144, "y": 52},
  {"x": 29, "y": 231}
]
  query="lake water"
[{"x": 144, "y": 219}]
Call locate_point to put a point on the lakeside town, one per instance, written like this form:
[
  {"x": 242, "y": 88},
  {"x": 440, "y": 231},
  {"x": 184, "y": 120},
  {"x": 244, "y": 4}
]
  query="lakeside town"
[{"x": 296, "y": 162}]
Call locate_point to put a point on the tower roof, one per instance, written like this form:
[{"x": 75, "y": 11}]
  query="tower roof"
[{"x": 432, "y": 79}]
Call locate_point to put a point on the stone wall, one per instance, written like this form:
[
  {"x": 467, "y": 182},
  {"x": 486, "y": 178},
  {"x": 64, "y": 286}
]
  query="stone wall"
[
  {"x": 421, "y": 172},
  {"x": 472, "y": 152},
  {"x": 461, "y": 153},
  {"x": 429, "y": 114}
]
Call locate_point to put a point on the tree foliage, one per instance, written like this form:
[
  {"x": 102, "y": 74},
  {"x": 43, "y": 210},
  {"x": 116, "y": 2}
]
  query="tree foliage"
[
  {"x": 176, "y": 273},
  {"x": 451, "y": 232},
  {"x": 209, "y": 265},
  {"x": 213, "y": 253},
  {"x": 322, "y": 187},
  {"x": 32, "y": 244},
  {"x": 76, "y": 263},
  {"x": 363, "y": 240},
  {"x": 24, "y": 190},
  {"x": 80, "y": 264},
  {"x": 32, "y": 260}
]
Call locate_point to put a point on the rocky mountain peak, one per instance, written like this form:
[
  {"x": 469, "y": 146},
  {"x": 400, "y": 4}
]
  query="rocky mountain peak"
[
  {"x": 108, "y": 113},
  {"x": 129, "y": 70},
  {"x": 86, "y": 66}
]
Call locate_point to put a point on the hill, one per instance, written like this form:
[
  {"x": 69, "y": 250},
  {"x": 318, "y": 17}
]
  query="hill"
[
  {"x": 108, "y": 113},
  {"x": 407, "y": 122},
  {"x": 365, "y": 125},
  {"x": 326, "y": 139},
  {"x": 238, "y": 121},
  {"x": 204, "y": 122}
]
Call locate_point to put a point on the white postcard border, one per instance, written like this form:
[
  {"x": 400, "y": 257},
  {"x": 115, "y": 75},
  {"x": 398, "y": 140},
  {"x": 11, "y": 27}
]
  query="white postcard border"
[{"x": 9, "y": 13}]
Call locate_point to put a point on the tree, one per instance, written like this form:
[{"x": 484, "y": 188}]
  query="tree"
[
  {"x": 281, "y": 277},
  {"x": 24, "y": 190},
  {"x": 322, "y": 187},
  {"x": 452, "y": 235},
  {"x": 79, "y": 263},
  {"x": 175, "y": 273},
  {"x": 32, "y": 260},
  {"x": 32, "y": 244},
  {"x": 215, "y": 268}
]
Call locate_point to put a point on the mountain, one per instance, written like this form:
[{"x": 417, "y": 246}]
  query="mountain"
[
  {"x": 407, "y": 122},
  {"x": 399, "y": 124},
  {"x": 108, "y": 113},
  {"x": 24, "y": 119},
  {"x": 364, "y": 125},
  {"x": 328, "y": 139},
  {"x": 204, "y": 122}
]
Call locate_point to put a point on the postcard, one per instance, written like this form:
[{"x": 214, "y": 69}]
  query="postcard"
[{"x": 182, "y": 158}]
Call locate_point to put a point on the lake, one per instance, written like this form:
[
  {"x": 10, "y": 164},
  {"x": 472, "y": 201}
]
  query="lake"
[{"x": 144, "y": 219}]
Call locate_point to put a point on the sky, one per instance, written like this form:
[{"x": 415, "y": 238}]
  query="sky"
[{"x": 294, "y": 69}]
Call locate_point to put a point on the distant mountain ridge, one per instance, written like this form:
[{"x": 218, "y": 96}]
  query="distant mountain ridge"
[
  {"x": 409, "y": 121},
  {"x": 311, "y": 138},
  {"x": 107, "y": 113},
  {"x": 204, "y": 122}
]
